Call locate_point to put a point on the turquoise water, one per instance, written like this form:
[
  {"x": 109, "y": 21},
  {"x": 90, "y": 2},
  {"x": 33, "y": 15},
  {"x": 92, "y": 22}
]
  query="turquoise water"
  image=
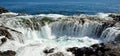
[{"x": 65, "y": 7}]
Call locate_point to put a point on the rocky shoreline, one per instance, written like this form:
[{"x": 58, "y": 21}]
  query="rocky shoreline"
[
  {"x": 94, "y": 50},
  {"x": 101, "y": 49},
  {"x": 4, "y": 32}
]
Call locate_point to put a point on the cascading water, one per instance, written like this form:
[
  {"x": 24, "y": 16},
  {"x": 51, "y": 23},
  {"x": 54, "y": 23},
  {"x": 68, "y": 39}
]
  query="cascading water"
[
  {"x": 91, "y": 29},
  {"x": 53, "y": 33}
]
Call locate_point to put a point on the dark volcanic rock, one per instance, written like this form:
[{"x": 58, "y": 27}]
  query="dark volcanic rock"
[
  {"x": 47, "y": 51},
  {"x": 115, "y": 17},
  {"x": 3, "y": 40},
  {"x": 11, "y": 34},
  {"x": 96, "y": 50},
  {"x": 81, "y": 51},
  {"x": 4, "y": 32},
  {"x": 8, "y": 53},
  {"x": 3, "y": 10}
]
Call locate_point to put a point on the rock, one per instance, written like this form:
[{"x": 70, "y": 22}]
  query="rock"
[
  {"x": 11, "y": 34},
  {"x": 47, "y": 51},
  {"x": 4, "y": 32},
  {"x": 96, "y": 50},
  {"x": 81, "y": 51},
  {"x": 3, "y": 40},
  {"x": 115, "y": 17},
  {"x": 113, "y": 52},
  {"x": 3, "y": 10},
  {"x": 7, "y": 53}
]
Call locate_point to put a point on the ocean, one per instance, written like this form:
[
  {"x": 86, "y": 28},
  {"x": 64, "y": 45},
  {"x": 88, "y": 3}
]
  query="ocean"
[{"x": 64, "y": 7}]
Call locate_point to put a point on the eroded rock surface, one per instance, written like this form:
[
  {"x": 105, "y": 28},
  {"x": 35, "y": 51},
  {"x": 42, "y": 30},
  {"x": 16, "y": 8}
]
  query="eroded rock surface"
[
  {"x": 8, "y": 53},
  {"x": 96, "y": 50},
  {"x": 11, "y": 34}
]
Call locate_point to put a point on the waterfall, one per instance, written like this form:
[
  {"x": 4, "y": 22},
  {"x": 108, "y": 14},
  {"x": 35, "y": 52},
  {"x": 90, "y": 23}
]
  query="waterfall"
[
  {"x": 110, "y": 34},
  {"x": 33, "y": 34},
  {"x": 46, "y": 31},
  {"x": 47, "y": 40},
  {"x": 89, "y": 28}
]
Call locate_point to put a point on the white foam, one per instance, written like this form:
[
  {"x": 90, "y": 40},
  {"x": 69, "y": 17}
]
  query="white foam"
[
  {"x": 9, "y": 13},
  {"x": 54, "y": 16},
  {"x": 35, "y": 48},
  {"x": 10, "y": 45},
  {"x": 104, "y": 16}
]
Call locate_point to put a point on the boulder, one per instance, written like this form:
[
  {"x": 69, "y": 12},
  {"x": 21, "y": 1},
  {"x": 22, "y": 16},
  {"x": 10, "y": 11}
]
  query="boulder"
[
  {"x": 47, "y": 51},
  {"x": 7, "y": 53},
  {"x": 3, "y": 10},
  {"x": 3, "y": 40}
]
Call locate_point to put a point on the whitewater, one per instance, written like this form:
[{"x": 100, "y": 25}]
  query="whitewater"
[{"x": 33, "y": 34}]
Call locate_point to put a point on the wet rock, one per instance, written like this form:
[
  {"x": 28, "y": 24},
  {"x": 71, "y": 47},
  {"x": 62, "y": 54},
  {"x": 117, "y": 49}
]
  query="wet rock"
[
  {"x": 7, "y": 53},
  {"x": 3, "y": 40},
  {"x": 108, "y": 24},
  {"x": 115, "y": 17},
  {"x": 11, "y": 34},
  {"x": 96, "y": 50},
  {"x": 47, "y": 51},
  {"x": 82, "y": 21},
  {"x": 81, "y": 51},
  {"x": 3, "y": 10},
  {"x": 4, "y": 32},
  {"x": 113, "y": 52}
]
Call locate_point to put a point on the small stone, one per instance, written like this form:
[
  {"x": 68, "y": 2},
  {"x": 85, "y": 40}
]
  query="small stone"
[
  {"x": 46, "y": 51},
  {"x": 3, "y": 40}
]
